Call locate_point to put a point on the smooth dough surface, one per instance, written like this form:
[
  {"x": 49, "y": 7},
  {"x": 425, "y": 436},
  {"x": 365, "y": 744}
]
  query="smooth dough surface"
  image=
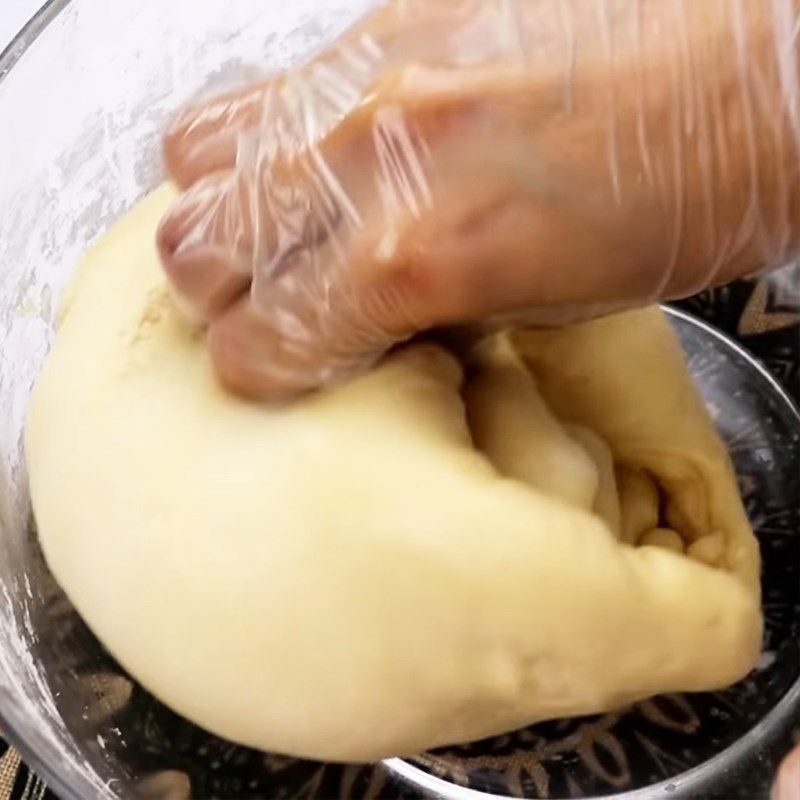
[{"x": 404, "y": 561}]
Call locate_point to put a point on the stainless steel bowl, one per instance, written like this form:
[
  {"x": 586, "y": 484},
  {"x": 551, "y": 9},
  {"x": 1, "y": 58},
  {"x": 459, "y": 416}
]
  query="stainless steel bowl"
[{"x": 85, "y": 91}]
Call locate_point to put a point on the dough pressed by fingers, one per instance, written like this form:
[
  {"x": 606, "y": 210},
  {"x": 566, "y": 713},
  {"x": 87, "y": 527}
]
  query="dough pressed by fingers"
[{"x": 413, "y": 559}]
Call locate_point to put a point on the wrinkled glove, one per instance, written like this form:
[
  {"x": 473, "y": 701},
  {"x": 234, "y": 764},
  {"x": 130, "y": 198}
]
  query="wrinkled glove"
[{"x": 454, "y": 161}]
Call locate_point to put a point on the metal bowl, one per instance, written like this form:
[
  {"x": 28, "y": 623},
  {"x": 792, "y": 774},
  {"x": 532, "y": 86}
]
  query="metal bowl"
[{"x": 85, "y": 91}]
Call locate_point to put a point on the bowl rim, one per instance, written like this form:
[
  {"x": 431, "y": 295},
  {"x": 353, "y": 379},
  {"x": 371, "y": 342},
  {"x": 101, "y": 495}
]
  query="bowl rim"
[
  {"x": 28, "y": 33},
  {"x": 9, "y": 57}
]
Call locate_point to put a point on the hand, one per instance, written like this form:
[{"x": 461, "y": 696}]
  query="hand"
[
  {"x": 787, "y": 786},
  {"x": 456, "y": 161}
]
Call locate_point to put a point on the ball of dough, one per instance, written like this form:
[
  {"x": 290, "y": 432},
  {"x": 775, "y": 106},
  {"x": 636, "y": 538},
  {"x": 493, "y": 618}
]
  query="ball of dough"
[{"x": 358, "y": 574}]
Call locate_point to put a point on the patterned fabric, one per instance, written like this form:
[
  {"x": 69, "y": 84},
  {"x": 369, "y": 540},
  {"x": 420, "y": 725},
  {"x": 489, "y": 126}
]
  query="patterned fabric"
[
  {"x": 764, "y": 316},
  {"x": 17, "y": 782}
]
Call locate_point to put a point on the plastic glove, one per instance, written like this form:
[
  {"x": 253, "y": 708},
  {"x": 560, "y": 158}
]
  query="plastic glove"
[{"x": 453, "y": 161}]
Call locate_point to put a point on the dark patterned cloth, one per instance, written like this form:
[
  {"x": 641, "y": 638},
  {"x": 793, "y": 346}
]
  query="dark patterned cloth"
[
  {"x": 17, "y": 782},
  {"x": 764, "y": 316}
]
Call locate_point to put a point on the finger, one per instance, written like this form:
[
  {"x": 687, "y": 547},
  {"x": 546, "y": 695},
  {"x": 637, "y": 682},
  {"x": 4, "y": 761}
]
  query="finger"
[
  {"x": 787, "y": 784},
  {"x": 252, "y": 357},
  {"x": 205, "y": 244},
  {"x": 314, "y": 324},
  {"x": 204, "y": 137}
]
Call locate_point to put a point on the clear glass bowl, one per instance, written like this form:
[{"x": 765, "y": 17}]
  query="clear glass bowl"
[{"x": 85, "y": 91}]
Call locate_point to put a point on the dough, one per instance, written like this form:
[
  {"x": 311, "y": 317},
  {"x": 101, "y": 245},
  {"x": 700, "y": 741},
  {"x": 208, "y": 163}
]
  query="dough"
[{"x": 353, "y": 576}]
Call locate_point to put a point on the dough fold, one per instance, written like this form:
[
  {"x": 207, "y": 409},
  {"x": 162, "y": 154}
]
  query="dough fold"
[{"x": 412, "y": 559}]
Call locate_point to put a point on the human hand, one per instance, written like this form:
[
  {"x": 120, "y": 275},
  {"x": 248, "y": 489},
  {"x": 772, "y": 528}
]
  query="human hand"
[{"x": 458, "y": 161}]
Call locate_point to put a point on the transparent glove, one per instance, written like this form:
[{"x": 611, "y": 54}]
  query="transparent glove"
[{"x": 460, "y": 161}]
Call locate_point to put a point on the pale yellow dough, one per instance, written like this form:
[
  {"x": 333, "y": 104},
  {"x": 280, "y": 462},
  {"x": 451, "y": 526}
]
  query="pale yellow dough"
[{"x": 348, "y": 577}]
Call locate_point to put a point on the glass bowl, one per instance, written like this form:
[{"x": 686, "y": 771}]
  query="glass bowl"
[{"x": 85, "y": 91}]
